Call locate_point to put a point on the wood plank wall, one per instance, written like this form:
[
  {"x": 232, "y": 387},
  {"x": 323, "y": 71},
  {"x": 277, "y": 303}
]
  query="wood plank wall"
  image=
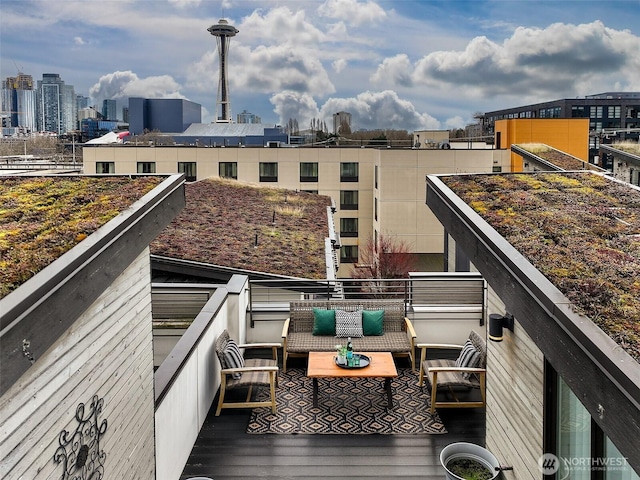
[
  {"x": 515, "y": 392},
  {"x": 107, "y": 352}
]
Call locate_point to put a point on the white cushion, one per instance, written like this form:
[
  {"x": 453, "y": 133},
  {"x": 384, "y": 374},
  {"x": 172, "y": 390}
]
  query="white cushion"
[{"x": 349, "y": 324}]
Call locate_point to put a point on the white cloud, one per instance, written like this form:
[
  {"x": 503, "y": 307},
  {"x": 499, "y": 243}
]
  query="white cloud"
[
  {"x": 339, "y": 65},
  {"x": 185, "y": 3},
  {"x": 295, "y": 105},
  {"x": 78, "y": 41},
  {"x": 122, "y": 85},
  {"x": 278, "y": 26},
  {"x": 352, "y": 11},
  {"x": 371, "y": 110},
  {"x": 456, "y": 122},
  {"x": 553, "y": 61},
  {"x": 394, "y": 71},
  {"x": 266, "y": 69}
]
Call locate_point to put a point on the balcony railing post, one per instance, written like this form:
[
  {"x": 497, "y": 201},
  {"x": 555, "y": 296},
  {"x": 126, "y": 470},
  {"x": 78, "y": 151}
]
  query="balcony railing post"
[{"x": 251, "y": 321}]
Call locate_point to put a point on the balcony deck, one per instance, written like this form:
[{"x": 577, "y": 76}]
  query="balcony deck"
[{"x": 224, "y": 451}]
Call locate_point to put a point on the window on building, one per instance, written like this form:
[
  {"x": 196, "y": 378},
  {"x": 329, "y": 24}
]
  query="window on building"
[
  {"x": 551, "y": 112},
  {"x": 349, "y": 254},
  {"x": 189, "y": 170},
  {"x": 348, "y": 227},
  {"x": 348, "y": 172},
  {"x": 375, "y": 176},
  {"x": 579, "y": 111},
  {"x": 146, "y": 167},
  {"x": 583, "y": 450},
  {"x": 268, "y": 171},
  {"x": 348, "y": 199},
  {"x": 613, "y": 111},
  {"x": 228, "y": 170},
  {"x": 595, "y": 112},
  {"x": 105, "y": 167},
  {"x": 375, "y": 208},
  {"x": 309, "y": 171}
]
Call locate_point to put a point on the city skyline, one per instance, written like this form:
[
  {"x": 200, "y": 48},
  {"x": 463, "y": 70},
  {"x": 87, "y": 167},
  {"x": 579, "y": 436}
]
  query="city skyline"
[{"x": 391, "y": 64}]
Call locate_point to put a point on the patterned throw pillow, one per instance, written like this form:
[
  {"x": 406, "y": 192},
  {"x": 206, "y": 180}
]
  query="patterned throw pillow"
[
  {"x": 233, "y": 358},
  {"x": 348, "y": 324},
  {"x": 469, "y": 357}
]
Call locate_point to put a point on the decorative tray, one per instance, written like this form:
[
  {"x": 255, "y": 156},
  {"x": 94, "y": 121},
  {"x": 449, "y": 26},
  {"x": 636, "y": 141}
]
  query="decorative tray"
[{"x": 364, "y": 362}]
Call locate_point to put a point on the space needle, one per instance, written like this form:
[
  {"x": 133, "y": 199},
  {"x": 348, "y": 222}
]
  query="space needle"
[{"x": 223, "y": 33}]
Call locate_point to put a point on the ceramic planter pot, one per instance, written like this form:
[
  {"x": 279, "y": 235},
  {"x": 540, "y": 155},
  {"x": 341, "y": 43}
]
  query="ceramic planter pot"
[{"x": 471, "y": 451}]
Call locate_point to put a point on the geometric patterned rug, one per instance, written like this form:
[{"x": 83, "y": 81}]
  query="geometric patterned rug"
[{"x": 346, "y": 406}]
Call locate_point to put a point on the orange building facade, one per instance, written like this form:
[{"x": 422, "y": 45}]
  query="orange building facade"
[{"x": 570, "y": 135}]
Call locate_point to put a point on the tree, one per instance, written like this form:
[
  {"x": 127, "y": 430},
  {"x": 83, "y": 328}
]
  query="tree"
[
  {"x": 344, "y": 128},
  {"x": 389, "y": 258},
  {"x": 292, "y": 127}
]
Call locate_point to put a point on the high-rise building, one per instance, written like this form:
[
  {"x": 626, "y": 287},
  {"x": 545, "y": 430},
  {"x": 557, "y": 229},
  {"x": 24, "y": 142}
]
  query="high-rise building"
[
  {"x": 109, "y": 110},
  {"x": 223, "y": 33},
  {"x": 82, "y": 102},
  {"x": 341, "y": 122},
  {"x": 247, "y": 117},
  {"x": 21, "y": 82},
  {"x": 57, "y": 108},
  {"x": 19, "y": 103}
]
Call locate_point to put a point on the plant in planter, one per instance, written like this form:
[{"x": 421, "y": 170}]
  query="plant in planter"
[
  {"x": 467, "y": 461},
  {"x": 469, "y": 469}
]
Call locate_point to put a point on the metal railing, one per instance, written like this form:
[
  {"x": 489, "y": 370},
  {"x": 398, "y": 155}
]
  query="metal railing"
[{"x": 425, "y": 289}]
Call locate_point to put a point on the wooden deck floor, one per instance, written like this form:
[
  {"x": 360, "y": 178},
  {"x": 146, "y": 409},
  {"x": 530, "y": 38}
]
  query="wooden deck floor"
[{"x": 224, "y": 451}]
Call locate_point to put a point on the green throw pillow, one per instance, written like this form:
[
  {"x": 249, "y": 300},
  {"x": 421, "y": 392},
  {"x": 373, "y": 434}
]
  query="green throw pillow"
[
  {"x": 372, "y": 322},
  {"x": 324, "y": 321}
]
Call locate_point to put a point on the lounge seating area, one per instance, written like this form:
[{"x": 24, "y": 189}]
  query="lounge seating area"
[
  {"x": 224, "y": 450},
  {"x": 313, "y": 326},
  {"x": 467, "y": 371},
  {"x": 238, "y": 372}
]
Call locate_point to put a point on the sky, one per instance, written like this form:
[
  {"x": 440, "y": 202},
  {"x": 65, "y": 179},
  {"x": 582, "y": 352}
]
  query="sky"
[{"x": 392, "y": 64}]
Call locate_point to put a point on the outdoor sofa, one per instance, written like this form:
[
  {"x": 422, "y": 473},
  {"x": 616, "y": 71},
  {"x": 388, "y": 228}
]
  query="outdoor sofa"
[{"x": 396, "y": 334}]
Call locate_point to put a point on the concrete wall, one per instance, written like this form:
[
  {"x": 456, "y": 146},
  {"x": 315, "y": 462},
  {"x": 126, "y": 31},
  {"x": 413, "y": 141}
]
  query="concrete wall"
[
  {"x": 107, "y": 352},
  {"x": 515, "y": 394}
]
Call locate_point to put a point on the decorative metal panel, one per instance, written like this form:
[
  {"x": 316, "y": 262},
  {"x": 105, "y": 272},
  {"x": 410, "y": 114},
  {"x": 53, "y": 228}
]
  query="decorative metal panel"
[{"x": 79, "y": 451}]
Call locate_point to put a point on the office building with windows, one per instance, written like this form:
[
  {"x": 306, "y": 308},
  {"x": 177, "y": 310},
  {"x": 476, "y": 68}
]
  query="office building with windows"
[
  {"x": 109, "y": 110},
  {"x": 19, "y": 104},
  {"x": 376, "y": 191},
  {"x": 56, "y": 107},
  {"x": 612, "y": 116},
  {"x": 247, "y": 117}
]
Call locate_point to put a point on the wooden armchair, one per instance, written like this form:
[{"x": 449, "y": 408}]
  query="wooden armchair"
[
  {"x": 467, "y": 371},
  {"x": 238, "y": 372}
]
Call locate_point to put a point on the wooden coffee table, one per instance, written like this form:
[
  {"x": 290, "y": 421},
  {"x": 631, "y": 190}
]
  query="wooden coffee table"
[{"x": 323, "y": 365}]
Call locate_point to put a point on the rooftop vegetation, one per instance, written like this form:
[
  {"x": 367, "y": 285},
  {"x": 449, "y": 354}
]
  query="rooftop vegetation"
[
  {"x": 556, "y": 157},
  {"x": 250, "y": 227},
  {"x": 628, "y": 147},
  {"x": 581, "y": 230},
  {"x": 43, "y": 217}
]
